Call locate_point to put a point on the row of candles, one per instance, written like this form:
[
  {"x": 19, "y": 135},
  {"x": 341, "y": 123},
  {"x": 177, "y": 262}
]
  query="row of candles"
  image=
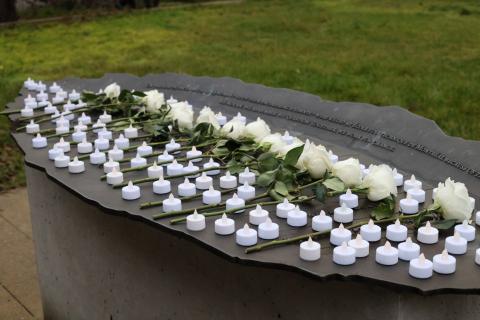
[{"x": 346, "y": 250}]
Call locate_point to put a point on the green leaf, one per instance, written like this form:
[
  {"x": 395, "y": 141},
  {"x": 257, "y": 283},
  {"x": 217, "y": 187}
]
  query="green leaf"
[
  {"x": 267, "y": 178},
  {"x": 139, "y": 94},
  {"x": 292, "y": 156},
  {"x": 444, "y": 224},
  {"x": 267, "y": 162},
  {"x": 320, "y": 192},
  {"x": 274, "y": 195},
  {"x": 334, "y": 184},
  {"x": 234, "y": 166},
  {"x": 281, "y": 188},
  {"x": 384, "y": 210},
  {"x": 220, "y": 151}
]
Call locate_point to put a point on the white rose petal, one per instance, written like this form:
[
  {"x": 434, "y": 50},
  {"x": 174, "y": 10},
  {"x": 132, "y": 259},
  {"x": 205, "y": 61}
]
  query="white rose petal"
[
  {"x": 275, "y": 141},
  {"x": 380, "y": 183},
  {"x": 208, "y": 116},
  {"x": 315, "y": 159},
  {"x": 234, "y": 128},
  {"x": 257, "y": 130},
  {"x": 112, "y": 91},
  {"x": 181, "y": 113},
  {"x": 348, "y": 171},
  {"x": 154, "y": 100},
  {"x": 454, "y": 200}
]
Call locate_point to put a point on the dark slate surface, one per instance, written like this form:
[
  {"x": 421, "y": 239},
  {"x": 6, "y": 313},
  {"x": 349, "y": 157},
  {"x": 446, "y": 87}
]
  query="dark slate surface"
[{"x": 389, "y": 135}]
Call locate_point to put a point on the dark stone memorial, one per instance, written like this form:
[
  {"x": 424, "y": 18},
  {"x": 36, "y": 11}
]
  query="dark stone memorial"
[{"x": 101, "y": 257}]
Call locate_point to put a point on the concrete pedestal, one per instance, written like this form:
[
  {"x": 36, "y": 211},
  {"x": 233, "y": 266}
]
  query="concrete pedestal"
[{"x": 96, "y": 265}]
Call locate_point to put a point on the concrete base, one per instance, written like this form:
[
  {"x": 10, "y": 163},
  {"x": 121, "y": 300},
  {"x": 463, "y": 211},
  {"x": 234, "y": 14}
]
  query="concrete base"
[{"x": 94, "y": 265}]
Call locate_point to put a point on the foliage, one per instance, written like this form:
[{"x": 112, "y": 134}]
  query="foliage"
[{"x": 385, "y": 209}]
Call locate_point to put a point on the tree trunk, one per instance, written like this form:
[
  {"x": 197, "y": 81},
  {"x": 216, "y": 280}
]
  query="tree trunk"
[{"x": 8, "y": 11}]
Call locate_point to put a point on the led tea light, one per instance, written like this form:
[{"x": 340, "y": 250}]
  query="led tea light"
[
  {"x": 121, "y": 142},
  {"x": 97, "y": 126},
  {"x": 62, "y": 130},
  {"x": 228, "y": 181},
  {"x": 427, "y": 234},
  {"x": 97, "y": 157},
  {"x": 42, "y": 104},
  {"x": 211, "y": 164},
  {"x": 224, "y": 226},
  {"x": 246, "y": 236},
  {"x": 41, "y": 86},
  {"x": 54, "y": 88},
  {"x": 417, "y": 194},
  {"x": 50, "y": 109},
  {"x": 144, "y": 149},
  {"x": 297, "y": 217},
  {"x": 221, "y": 118},
  {"x": 130, "y": 191},
  {"x": 138, "y": 161},
  {"x": 32, "y": 127},
  {"x": 456, "y": 244},
  {"x": 287, "y": 138},
  {"x": 155, "y": 171},
  {"x": 321, "y": 222},
  {"x": 42, "y": 96},
  {"x": 191, "y": 170},
  {"x": 194, "y": 155},
  {"x": 409, "y": 205},
  {"x": 397, "y": 232},
  {"x": 195, "y": 221},
  {"x": 349, "y": 199},
  {"x": 477, "y": 218},
  {"x": 172, "y": 204},
  {"x": 203, "y": 182},
  {"x": 162, "y": 186},
  {"x": 54, "y": 152},
  {"x": 62, "y": 121},
  {"x": 105, "y": 117},
  {"x": 29, "y": 99},
  {"x": 62, "y": 144},
  {"x": 235, "y": 202},
  {"x": 26, "y": 112},
  {"x": 115, "y": 153},
  {"x": 344, "y": 255},
  {"x": 74, "y": 95},
  {"x": 80, "y": 127},
  {"x": 105, "y": 134},
  {"x": 444, "y": 263},
  {"x": 361, "y": 246},
  {"x": 284, "y": 208},
  {"x": 130, "y": 132},
  {"x": 57, "y": 99},
  {"x": 171, "y": 101},
  {"x": 408, "y": 250},
  {"x": 165, "y": 157},
  {"x": 78, "y": 135},
  {"x": 211, "y": 196},
  {"x": 310, "y": 250},
  {"x": 114, "y": 177},
  {"x": 370, "y": 231},
  {"x": 258, "y": 215},
  {"x": 241, "y": 118},
  {"x": 29, "y": 84},
  {"x": 420, "y": 268},
  {"x": 386, "y": 255},
  {"x": 102, "y": 144},
  {"x": 68, "y": 115},
  {"x": 340, "y": 235},
  {"x": 477, "y": 256},
  {"x": 110, "y": 164},
  {"x": 69, "y": 106},
  {"x": 472, "y": 201},
  {"x": 174, "y": 168},
  {"x": 333, "y": 157},
  {"x": 246, "y": 176},
  {"x": 412, "y": 183},
  {"x": 61, "y": 161},
  {"x": 76, "y": 166},
  {"x": 343, "y": 214},
  {"x": 246, "y": 192},
  {"x": 365, "y": 171},
  {"x": 172, "y": 146},
  {"x": 84, "y": 146},
  {"x": 268, "y": 230},
  {"x": 39, "y": 142},
  {"x": 465, "y": 230}
]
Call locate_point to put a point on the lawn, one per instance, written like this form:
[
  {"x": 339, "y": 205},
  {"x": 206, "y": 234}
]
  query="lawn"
[{"x": 421, "y": 55}]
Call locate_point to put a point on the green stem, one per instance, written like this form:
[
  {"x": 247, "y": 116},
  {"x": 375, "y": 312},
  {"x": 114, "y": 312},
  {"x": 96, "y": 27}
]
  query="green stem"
[
  {"x": 234, "y": 210},
  {"x": 313, "y": 235}
]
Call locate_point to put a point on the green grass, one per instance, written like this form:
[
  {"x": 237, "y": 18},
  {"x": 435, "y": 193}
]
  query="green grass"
[{"x": 421, "y": 55}]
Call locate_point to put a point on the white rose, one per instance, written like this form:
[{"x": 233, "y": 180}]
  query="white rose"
[
  {"x": 314, "y": 159},
  {"x": 287, "y": 147},
  {"x": 112, "y": 90},
  {"x": 234, "y": 128},
  {"x": 154, "y": 100},
  {"x": 257, "y": 130},
  {"x": 348, "y": 171},
  {"x": 379, "y": 182},
  {"x": 208, "y": 116},
  {"x": 181, "y": 113},
  {"x": 454, "y": 201},
  {"x": 275, "y": 141}
]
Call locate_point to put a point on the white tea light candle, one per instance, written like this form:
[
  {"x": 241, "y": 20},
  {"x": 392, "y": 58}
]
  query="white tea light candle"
[
  {"x": 456, "y": 244},
  {"x": 97, "y": 157},
  {"x": 361, "y": 246},
  {"x": 409, "y": 205},
  {"x": 54, "y": 152},
  {"x": 224, "y": 226},
  {"x": 228, "y": 181},
  {"x": 340, "y": 235},
  {"x": 211, "y": 164},
  {"x": 287, "y": 138},
  {"x": 398, "y": 178},
  {"x": 427, "y": 234},
  {"x": 397, "y": 232},
  {"x": 268, "y": 230},
  {"x": 78, "y": 135},
  {"x": 144, "y": 149},
  {"x": 343, "y": 214},
  {"x": 121, "y": 142},
  {"x": 110, "y": 164},
  {"x": 203, "y": 182},
  {"x": 171, "y": 204},
  {"x": 321, "y": 222},
  {"x": 235, "y": 202},
  {"x": 62, "y": 161},
  {"x": 76, "y": 166},
  {"x": 32, "y": 127},
  {"x": 161, "y": 186},
  {"x": 194, "y": 155},
  {"x": 246, "y": 176},
  {"x": 155, "y": 171},
  {"x": 191, "y": 170},
  {"x": 172, "y": 146},
  {"x": 221, "y": 119},
  {"x": 130, "y": 132},
  {"x": 412, "y": 183},
  {"x": 444, "y": 263},
  {"x": 130, "y": 191},
  {"x": 333, "y": 157},
  {"x": 114, "y": 177},
  {"x": 246, "y": 236},
  {"x": 349, "y": 199},
  {"x": 174, "y": 168},
  {"x": 386, "y": 255},
  {"x": 297, "y": 217},
  {"x": 246, "y": 192},
  {"x": 186, "y": 189},
  {"x": 420, "y": 268},
  {"x": 465, "y": 230},
  {"x": 195, "y": 221},
  {"x": 138, "y": 161},
  {"x": 344, "y": 255},
  {"x": 116, "y": 153},
  {"x": 310, "y": 250},
  {"x": 62, "y": 144},
  {"x": 102, "y": 144},
  {"x": 258, "y": 215},
  {"x": 211, "y": 196},
  {"x": 284, "y": 208},
  {"x": 408, "y": 250},
  {"x": 165, "y": 158},
  {"x": 105, "y": 134},
  {"x": 105, "y": 117},
  {"x": 417, "y": 194},
  {"x": 370, "y": 231}
]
